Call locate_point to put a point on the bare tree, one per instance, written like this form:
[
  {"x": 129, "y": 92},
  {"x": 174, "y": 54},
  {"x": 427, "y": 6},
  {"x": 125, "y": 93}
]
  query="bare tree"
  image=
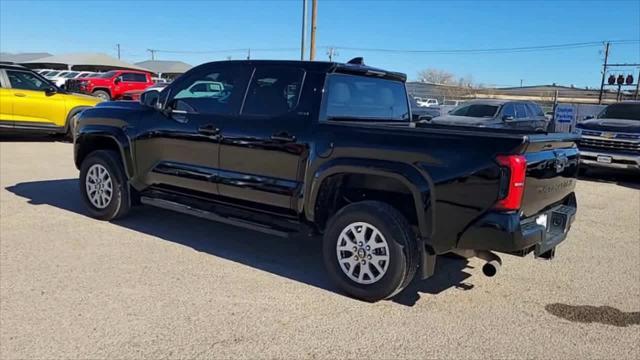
[
  {"x": 465, "y": 81},
  {"x": 436, "y": 76}
]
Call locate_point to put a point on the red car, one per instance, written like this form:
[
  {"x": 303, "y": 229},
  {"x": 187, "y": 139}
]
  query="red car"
[{"x": 111, "y": 85}]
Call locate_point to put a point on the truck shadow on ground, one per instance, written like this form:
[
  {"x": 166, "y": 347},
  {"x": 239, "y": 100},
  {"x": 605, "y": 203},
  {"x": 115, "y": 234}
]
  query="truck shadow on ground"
[
  {"x": 297, "y": 259},
  {"x": 594, "y": 314}
]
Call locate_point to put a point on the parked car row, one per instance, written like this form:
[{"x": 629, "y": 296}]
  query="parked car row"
[{"x": 60, "y": 77}]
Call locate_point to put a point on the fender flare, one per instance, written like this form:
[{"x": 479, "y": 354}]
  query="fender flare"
[
  {"x": 90, "y": 132},
  {"x": 73, "y": 112},
  {"x": 419, "y": 184}
]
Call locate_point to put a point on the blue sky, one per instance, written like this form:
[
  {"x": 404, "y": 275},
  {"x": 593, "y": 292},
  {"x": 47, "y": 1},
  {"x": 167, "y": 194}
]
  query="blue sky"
[{"x": 96, "y": 26}]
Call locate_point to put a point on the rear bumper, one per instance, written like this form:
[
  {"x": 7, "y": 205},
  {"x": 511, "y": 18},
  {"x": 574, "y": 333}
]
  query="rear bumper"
[
  {"x": 624, "y": 161},
  {"x": 507, "y": 233}
]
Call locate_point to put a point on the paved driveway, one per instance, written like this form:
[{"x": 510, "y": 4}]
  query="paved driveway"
[{"x": 164, "y": 285}]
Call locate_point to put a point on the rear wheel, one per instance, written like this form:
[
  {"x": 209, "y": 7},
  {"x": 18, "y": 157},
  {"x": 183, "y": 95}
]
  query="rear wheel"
[
  {"x": 104, "y": 186},
  {"x": 102, "y": 95},
  {"x": 370, "y": 251}
]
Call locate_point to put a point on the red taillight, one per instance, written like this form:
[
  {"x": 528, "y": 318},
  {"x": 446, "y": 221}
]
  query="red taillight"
[{"x": 513, "y": 188}]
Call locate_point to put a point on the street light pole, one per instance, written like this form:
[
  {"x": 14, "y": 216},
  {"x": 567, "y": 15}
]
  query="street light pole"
[
  {"x": 314, "y": 13},
  {"x": 304, "y": 29}
]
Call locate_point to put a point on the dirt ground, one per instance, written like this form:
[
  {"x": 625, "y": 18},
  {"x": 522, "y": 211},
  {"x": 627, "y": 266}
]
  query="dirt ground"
[{"x": 164, "y": 285}]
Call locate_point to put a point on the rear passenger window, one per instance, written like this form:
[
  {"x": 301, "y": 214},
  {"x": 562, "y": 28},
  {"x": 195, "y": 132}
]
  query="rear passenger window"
[
  {"x": 521, "y": 111},
  {"x": 273, "y": 91},
  {"x": 367, "y": 98}
]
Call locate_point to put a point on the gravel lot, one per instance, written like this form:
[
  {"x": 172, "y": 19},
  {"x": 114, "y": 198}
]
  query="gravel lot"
[{"x": 164, "y": 285}]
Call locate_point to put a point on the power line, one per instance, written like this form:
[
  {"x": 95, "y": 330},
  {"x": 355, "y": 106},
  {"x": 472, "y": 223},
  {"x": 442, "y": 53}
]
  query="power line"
[
  {"x": 244, "y": 50},
  {"x": 413, "y": 51},
  {"x": 492, "y": 50}
]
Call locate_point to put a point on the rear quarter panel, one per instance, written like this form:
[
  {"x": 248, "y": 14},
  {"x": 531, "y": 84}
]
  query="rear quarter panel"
[{"x": 459, "y": 167}]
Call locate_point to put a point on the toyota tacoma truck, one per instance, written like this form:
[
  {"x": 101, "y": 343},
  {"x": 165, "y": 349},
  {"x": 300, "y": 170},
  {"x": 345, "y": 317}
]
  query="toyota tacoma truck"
[
  {"x": 111, "y": 85},
  {"x": 612, "y": 139},
  {"x": 321, "y": 148}
]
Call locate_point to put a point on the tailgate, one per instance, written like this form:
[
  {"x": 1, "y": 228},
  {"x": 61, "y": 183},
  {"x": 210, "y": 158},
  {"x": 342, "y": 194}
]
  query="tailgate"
[{"x": 552, "y": 169}]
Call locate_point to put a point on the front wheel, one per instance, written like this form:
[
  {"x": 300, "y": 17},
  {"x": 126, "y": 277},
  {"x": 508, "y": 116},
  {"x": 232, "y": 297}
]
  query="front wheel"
[
  {"x": 102, "y": 95},
  {"x": 370, "y": 250},
  {"x": 103, "y": 185}
]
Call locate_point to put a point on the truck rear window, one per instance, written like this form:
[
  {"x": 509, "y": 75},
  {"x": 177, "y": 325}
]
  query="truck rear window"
[{"x": 351, "y": 97}]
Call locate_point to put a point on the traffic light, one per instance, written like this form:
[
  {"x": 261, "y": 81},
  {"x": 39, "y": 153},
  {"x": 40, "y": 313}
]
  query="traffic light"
[
  {"x": 629, "y": 80},
  {"x": 620, "y": 80},
  {"x": 612, "y": 79}
]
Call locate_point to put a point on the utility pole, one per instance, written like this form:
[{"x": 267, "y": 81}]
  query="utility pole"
[
  {"x": 521, "y": 80},
  {"x": 248, "y": 54},
  {"x": 304, "y": 29},
  {"x": 604, "y": 70},
  {"x": 153, "y": 53},
  {"x": 637, "y": 86},
  {"x": 118, "y": 46},
  {"x": 314, "y": 14}
]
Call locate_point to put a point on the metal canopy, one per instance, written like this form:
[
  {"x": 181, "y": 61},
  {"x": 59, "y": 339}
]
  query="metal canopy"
[
  {"x": 165, "y": 66},
  {"x": 82, "y": 62}
]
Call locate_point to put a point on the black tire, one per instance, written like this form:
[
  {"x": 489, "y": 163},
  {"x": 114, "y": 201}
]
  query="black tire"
[
  {"x": 120, "y": 200},
  {"x": 102, "y": 95},
  {"x": 402, "y": 246}
]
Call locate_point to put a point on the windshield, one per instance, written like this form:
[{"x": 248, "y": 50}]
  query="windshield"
[
  {"x": 621, "y": 111},
  {"x": 53, "y": 73},
  {"x": 107, "y": 75},
  {"x": 476, "y": 110},
  {"x": 71, "y": 74}
]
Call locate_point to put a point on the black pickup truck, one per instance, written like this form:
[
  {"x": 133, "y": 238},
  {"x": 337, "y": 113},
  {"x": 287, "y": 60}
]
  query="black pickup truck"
[{"x": 329, "y": 149}]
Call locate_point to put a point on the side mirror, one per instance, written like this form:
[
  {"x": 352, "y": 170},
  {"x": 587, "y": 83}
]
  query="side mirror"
[
  {"x": 150, "y": 99},
  {"x": 50, "y": 90},
  {"x": 117, "y": 80},
  {"x": 508, "y": 118}
]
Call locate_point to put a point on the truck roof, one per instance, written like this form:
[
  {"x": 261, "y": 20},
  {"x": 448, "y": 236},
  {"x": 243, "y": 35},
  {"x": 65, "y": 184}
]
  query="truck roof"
[{"x": 324, "y": 66}]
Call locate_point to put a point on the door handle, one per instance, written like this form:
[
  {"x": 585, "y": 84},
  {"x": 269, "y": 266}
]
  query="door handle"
[
  {"x": 283, "y": 137},
  {"x": 208, "y": 130},
  {"x": 20, "y": 94}
]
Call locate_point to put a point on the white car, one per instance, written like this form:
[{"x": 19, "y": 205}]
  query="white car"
[
  {"x": 54, "y": 73},
  {"x": 61, "y": 79},
  {"x": 427, "y": 102}
]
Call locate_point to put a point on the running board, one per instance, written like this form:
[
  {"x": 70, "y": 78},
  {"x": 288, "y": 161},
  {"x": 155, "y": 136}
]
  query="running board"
[{"x": 210, "y": 215}]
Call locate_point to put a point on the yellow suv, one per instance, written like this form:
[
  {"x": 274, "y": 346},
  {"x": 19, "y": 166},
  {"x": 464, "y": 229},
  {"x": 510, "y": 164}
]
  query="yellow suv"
[{"x": 30, "y": 103}]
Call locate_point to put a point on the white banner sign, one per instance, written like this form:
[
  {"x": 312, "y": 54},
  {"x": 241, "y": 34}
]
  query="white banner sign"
[{"x": 565, "y": 117}]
